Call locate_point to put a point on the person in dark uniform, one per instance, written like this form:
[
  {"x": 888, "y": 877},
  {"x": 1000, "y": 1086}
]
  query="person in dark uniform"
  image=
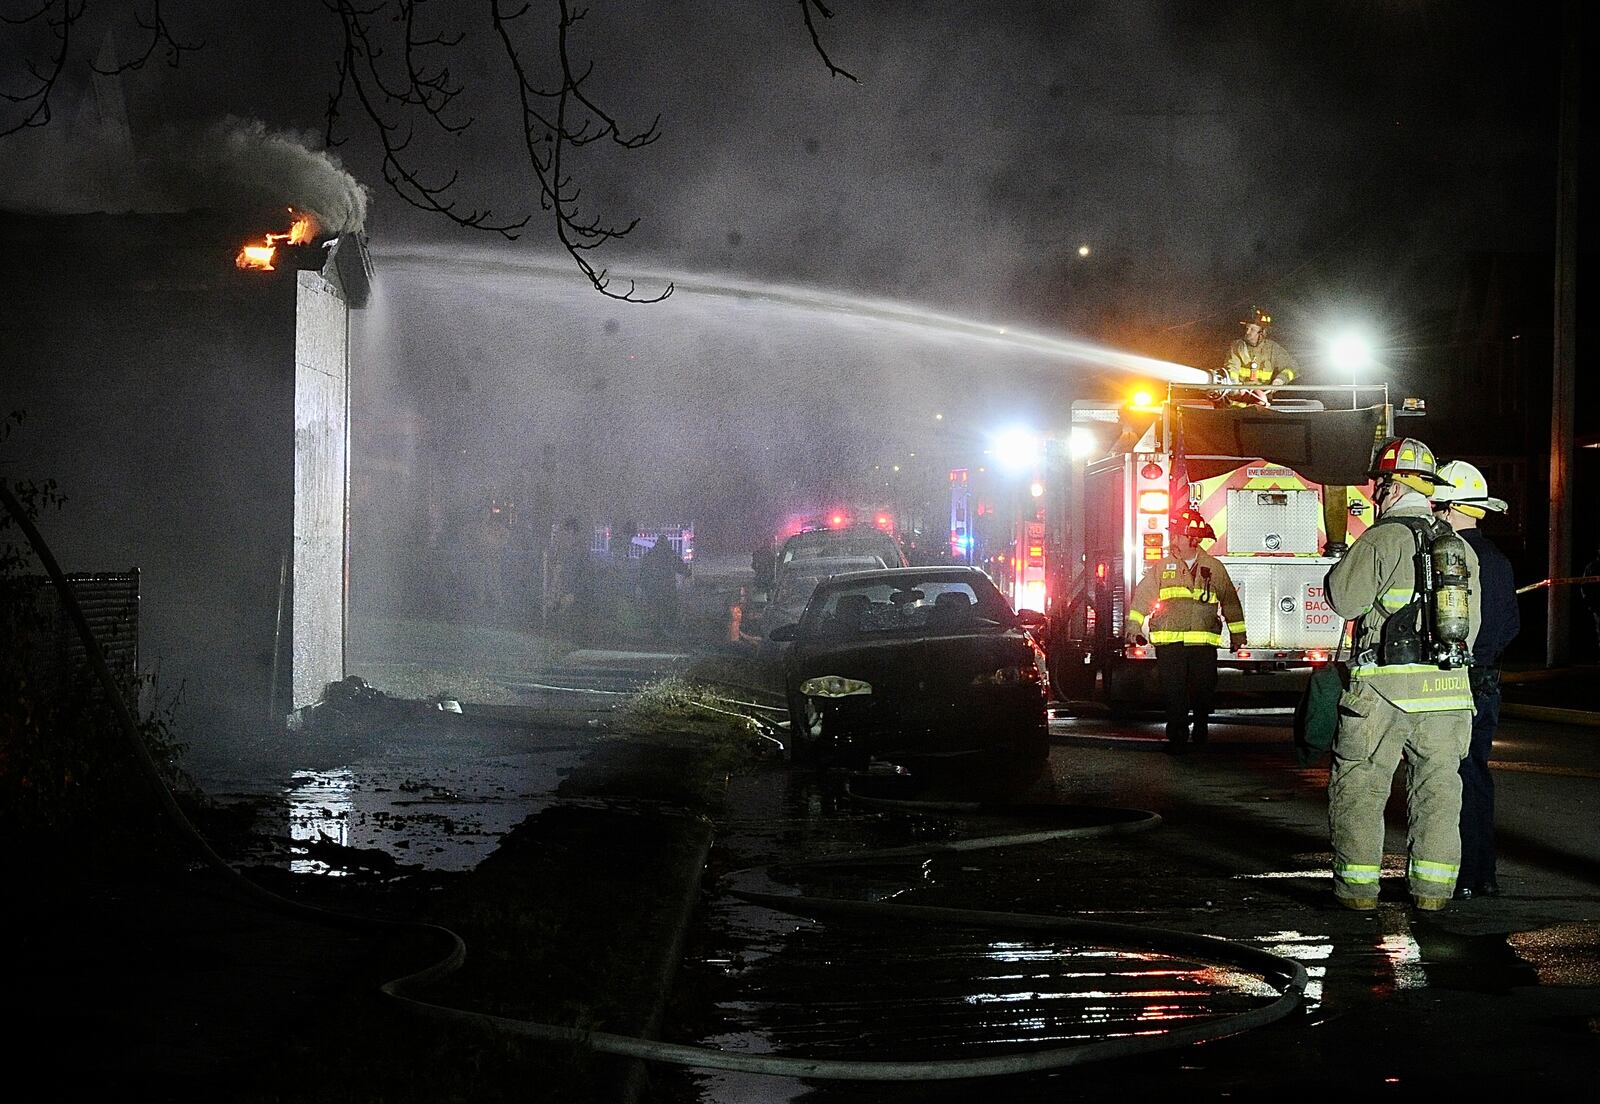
[
  {"x": 659, "y": 571},
  {"x": 1591, "y": 592},
  {"x": 1462, "y": 499}
]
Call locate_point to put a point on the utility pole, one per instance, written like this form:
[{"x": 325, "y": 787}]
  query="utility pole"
[{"x": 1563, "y": 383}]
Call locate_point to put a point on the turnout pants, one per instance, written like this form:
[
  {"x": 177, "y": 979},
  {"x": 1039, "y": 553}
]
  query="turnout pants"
[
  {"x": 1477, "y": 795},
  {"x": 1188, "y": 674},
  {"x": 1374, "y": 736}
]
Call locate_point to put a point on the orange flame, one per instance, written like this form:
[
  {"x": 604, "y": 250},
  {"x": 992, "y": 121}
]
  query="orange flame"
[{"x": 260, "y": 255}]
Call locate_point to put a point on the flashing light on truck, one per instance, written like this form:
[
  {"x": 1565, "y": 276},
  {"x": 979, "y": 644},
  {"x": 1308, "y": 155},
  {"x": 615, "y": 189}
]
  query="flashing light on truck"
[{"x": 1258, "y": 477}]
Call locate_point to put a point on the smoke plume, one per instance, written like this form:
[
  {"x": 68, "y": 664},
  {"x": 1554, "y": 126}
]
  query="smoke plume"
[{"x": 230, "y": 165}]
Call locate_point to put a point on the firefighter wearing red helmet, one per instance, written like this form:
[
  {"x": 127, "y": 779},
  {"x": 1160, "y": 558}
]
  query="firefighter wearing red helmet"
[
  {"x": 1255, "y": 360},
  {"x": 1180, "y": 606},
  {"x": 1408, "y": 698}
]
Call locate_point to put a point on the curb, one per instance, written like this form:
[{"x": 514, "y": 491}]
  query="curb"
[{"x": 1581, "y": 717}]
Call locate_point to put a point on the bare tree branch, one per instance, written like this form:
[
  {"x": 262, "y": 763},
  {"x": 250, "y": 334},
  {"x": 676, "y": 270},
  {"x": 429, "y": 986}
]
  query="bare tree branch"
[
  {"x": 394, "y": 74},
  {"x": 816, "y": 39},
  {"x": 59, "y": 20},
  {"x": 389, "y": 107},
  {"x": 160, "y": 36},
  {"x": 547, "y": 135}
]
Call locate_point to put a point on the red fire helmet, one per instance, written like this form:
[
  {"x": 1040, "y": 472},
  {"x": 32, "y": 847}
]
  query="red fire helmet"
[{"x": 1192, "y": 523}]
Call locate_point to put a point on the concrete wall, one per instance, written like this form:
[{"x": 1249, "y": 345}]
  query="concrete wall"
[
  {"x": 163, "y": 391},
  {"x": 321, "y": 482}
]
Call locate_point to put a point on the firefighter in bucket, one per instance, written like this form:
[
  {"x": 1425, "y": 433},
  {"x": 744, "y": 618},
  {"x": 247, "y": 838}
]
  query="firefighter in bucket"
[
  {"x": 1256, "y": 361},
  {"x": 1410, "y": 585},
  {"x": 1180, "y": 606}
]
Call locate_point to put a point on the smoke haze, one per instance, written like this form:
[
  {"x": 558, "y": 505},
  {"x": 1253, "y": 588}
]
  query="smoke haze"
[{"x": 229, "y": 165}]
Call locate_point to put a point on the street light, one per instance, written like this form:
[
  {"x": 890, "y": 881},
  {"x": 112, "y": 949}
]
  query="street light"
[{"x": 1017, "y": 449}]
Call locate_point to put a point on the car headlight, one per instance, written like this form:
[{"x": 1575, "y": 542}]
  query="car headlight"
[{"x": 834, "y": 686}]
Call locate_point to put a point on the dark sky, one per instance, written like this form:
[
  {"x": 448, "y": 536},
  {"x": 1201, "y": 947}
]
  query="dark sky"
[
  {"x": 1331, "y": 161},
  {"x": 1212, "y": 155}
]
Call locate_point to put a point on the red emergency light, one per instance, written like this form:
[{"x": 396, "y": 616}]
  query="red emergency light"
[{"x": 884, "y": 521}]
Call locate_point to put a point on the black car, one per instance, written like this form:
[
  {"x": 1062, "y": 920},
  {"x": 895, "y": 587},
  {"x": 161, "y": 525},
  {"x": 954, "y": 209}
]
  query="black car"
[{"x": 910, "y": 663}]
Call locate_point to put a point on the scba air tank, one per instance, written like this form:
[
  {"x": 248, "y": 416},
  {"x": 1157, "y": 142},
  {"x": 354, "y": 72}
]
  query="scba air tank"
[{"x": 1452, "y": 608}]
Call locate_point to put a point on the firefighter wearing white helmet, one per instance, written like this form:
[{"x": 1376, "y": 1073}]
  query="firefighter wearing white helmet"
[
  {"x": 1462, "y": 499},
  {"x": 1407, "y": 584}
]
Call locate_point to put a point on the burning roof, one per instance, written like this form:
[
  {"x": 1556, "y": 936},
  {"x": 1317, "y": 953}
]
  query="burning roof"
[{"x": 261, "y": 254}]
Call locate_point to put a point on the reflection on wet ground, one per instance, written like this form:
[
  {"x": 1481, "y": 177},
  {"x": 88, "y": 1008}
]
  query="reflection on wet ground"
[
  {"x": 899, "y": 991},
  {"x": 839, "y": 990},
  {"x": 867, "y": 991},
  {"x": 429, "y": 804}
]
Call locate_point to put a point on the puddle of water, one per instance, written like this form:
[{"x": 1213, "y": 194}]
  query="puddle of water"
[
  {"x": 1404, "y": 957},
  {"x": 866, "y": 990},
  {"x": 870, "y": 991},
  {"x": 1311, "y": 951},
  {"x": 438, "y": 806}
]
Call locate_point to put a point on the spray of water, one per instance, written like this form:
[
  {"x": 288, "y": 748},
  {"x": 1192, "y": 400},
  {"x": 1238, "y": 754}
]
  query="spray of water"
[
  {"x": 734, "y": 404},
  {"x": 1069, "y": 350}
]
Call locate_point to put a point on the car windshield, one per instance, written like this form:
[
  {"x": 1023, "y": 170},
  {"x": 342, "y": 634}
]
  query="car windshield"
[
  {"x": 800, "y": 581},
  {"x": 924, "y": 606},
  {"x": 838, "y": 543}
]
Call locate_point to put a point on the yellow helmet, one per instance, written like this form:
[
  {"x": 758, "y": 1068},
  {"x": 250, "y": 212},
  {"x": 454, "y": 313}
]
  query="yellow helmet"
[{"x": 1462, "y": 486}]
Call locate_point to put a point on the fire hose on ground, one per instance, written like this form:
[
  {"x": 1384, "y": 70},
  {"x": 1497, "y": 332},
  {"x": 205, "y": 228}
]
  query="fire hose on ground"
[{"x": 1287, "y": 976}]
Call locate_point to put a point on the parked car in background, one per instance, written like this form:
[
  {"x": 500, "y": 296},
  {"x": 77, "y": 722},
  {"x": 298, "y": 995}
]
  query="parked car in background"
[
  {"x": 814, "y": 544},
  {"x": 915, "y": 663},
  {"x": 795, "y": 586}
]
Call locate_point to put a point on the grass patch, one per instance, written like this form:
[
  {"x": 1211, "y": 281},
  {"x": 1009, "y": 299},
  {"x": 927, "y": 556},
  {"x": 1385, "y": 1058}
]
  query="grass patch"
[{"x": 678, "y": 708}]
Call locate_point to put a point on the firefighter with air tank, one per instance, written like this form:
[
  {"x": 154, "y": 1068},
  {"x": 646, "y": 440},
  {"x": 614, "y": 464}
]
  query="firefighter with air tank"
[
  {"x": 1408, "y": 583},
  {"x": 1176, "y": 606}
]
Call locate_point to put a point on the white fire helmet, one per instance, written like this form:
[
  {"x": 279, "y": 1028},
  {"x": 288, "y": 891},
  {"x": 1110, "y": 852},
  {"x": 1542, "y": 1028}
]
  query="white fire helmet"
[{"x": 1462, "y": 487}]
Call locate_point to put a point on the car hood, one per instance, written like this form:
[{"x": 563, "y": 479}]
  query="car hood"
[{"x": 911, "y": 663}]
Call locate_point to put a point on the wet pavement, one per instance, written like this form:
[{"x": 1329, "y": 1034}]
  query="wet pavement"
[
  {"x": 1492, "y": 993},
  {"x": 435, "y": 791},
  {"x": 1496, "y": 993}
]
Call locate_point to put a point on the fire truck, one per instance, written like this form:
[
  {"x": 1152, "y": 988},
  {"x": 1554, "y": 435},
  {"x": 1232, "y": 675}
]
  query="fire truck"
[{"x": 1284, "y": 486}]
